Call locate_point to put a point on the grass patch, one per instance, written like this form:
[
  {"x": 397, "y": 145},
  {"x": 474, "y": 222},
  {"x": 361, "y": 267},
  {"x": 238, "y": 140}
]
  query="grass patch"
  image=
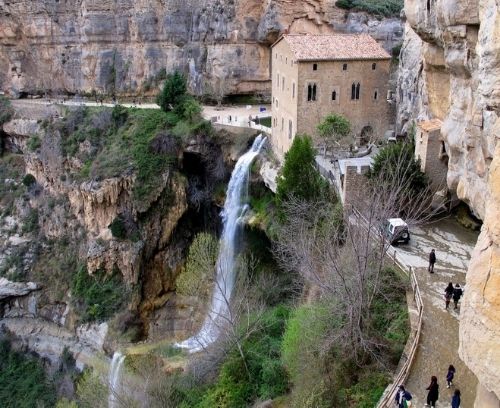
[{"x": 98, "y": 296}]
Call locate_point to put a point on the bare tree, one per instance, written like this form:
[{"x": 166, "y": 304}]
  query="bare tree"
[
  {"x": 218, "y": 88},
  {"x": 346, "y": 260}
]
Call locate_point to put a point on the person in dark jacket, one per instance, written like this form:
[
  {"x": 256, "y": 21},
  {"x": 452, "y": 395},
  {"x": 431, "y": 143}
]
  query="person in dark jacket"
[
  {"x": 433, "y": 394},
  {"x": 455, "y": 400},
  {"x": 402, "y": 396},
  {"x": 448, "y": 293},
  {"x": 450, "y": 375},
  {"x": 432, "y": 261},
  {"x": 457, "y": 294}
]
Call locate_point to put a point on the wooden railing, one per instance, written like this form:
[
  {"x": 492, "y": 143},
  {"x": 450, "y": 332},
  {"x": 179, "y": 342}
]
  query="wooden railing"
[{"x": 388, "y": 398}]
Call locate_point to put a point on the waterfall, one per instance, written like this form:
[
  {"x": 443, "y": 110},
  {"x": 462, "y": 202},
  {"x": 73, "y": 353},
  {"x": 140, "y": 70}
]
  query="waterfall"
[
  {"x": 114, "y": 378},
  {"x": 234, "y": 208}
]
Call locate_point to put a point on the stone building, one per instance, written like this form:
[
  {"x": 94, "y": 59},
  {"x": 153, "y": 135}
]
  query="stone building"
[
  {"x": 315, "y": 75},
  {"x": 430, "y": 149}
]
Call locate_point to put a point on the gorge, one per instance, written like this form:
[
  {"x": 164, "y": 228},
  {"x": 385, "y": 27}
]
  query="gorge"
[{"x": 100, "y": 234}]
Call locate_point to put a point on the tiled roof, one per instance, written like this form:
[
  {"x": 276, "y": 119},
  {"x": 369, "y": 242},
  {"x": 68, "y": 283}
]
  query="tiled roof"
[
  {"x": 308, "y": 47},
  {"x": 430, "y": 125}
]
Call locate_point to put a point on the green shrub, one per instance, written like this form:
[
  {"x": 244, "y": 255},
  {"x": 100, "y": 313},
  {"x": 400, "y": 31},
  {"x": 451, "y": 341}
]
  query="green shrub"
[
  {"x": 174, "y": 89},
  {"x": 261, "y": 375},
  {"x": 299, "y": 177},
  {"x": 29, "y": 180},
  {"x": 34, "y": 143},
  {"x": 396, "y": 50},
  {"x": 334, "y": 128},
  {"x": 23, "y": 382},
  {"x": 199, "y": 271},
  {"x": 385, "y": 8},
  {"x": 30, "y": 222},
  {"x": 98, "y": 296},
  {"x": 396, "y": 163},
  {"x": 118, "y": 228},
  {"x": 119, "y": 115},
  {"x": 6, "y": 110}
]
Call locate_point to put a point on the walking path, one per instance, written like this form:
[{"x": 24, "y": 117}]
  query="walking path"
[
  {"x": 227, "y": 115},
  {"x": 438, "y": 346}
]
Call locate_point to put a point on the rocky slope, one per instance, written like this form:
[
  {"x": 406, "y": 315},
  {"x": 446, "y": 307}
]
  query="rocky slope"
[
  {"x": 57, "y": 220},
  {"x": 122, "y": 46},
  {"x": 450, "y": 70}
]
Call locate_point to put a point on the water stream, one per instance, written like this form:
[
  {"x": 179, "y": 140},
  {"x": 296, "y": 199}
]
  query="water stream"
[
  {"x": 114, "y": 379},
  {"x": 234, "y": 208}
]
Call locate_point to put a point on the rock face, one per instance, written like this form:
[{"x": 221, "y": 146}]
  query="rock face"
[
  {"x": 14, "y": 289},
  {"x": 450, "y": 70},
  {"x": 122, "y": 46}
]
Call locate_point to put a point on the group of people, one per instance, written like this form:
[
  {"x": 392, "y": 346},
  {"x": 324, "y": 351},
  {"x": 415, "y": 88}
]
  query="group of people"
[
  {"x": 451, "y": 292},
  {"x": 403, "y": 397},
  {"x": 454, "y": 293}
]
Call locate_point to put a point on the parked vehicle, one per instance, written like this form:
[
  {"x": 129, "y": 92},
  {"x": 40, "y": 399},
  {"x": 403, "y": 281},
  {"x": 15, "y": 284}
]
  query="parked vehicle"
[{"x": 396, "y": 231}]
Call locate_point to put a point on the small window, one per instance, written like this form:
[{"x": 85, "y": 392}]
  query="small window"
[
  {"x": 277, "y": 104},
  {"x": 282, "y": 124},
  {"x": 344, "y": 67},
  {"x": 290, "y": 128},
  {"x": 283, "y": 83},
  {"x": 374, "y": 66},
  {"x": 375, "y": 95},
  {"x": 353, "y": 91},
  {"x": 276, "y": 56},
  {"x": 315, "y": 67},
  {"x": 293, "y": 90},
  {"x": 311, "y": 92},
  {"x": 358, "y": 87},
  {"x": 278, "y": 80},
  {"x": 286, "y": 61},
  {"x": 334, "y": 95}
]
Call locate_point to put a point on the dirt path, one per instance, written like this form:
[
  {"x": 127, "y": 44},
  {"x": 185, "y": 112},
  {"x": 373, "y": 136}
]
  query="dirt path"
[{"x": 438, "y": 346}]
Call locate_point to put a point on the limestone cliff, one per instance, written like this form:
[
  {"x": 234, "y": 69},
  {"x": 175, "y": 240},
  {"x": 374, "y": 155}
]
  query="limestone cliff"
[
  {"x": 450, "y": 69},
  {"x": 122, "y": 46}
]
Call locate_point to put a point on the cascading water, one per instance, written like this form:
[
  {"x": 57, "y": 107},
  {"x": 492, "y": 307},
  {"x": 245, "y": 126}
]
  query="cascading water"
[
  {"x": 114, "y": 378},
  {"x": 234, "y": 208}
]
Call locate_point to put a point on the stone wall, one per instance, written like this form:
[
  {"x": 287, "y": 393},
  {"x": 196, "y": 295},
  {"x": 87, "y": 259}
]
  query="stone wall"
[{"x": 354, "y": 184}]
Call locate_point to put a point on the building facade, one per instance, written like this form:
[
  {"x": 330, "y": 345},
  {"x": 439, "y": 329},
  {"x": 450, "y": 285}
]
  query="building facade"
[{"x": 315, "y": 75}]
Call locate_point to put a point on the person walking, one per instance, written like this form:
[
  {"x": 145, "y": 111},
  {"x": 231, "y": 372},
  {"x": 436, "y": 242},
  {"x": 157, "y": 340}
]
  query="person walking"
[
  {"x": 450, "y": 375},
  {"x": 457, "y": 294},
  {"x": 448, "y": 293},
  {"x": 455, "y": 400},
  {"x": 433, "y": 394},
  {"x": 432, "y": 261},
  {"x": 403, "y": 397}
]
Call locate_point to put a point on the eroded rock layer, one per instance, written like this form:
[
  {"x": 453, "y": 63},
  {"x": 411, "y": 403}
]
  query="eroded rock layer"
[{"x": 122, "y": 46}]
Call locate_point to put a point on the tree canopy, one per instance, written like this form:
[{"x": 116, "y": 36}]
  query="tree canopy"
[
  {"x": 299, "y": 177},
  {"x": 173, "y": 92},
  {"x": 396, "y": 162},
  {"x": 334, "y": 128}
]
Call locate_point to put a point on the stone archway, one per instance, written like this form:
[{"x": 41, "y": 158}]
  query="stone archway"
[{"x": 366, "y": 135}]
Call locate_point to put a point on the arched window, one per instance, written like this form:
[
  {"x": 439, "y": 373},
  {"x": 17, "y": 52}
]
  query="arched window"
[
  {"x": 374, "y": 66},
  {"x": 428, "y": 5},
  {"x": 353, "y": 91},
  {"x": 311, "y": 92},
  {"x": 357, "y": 90},
  {"x": 334, "y": 95}
]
